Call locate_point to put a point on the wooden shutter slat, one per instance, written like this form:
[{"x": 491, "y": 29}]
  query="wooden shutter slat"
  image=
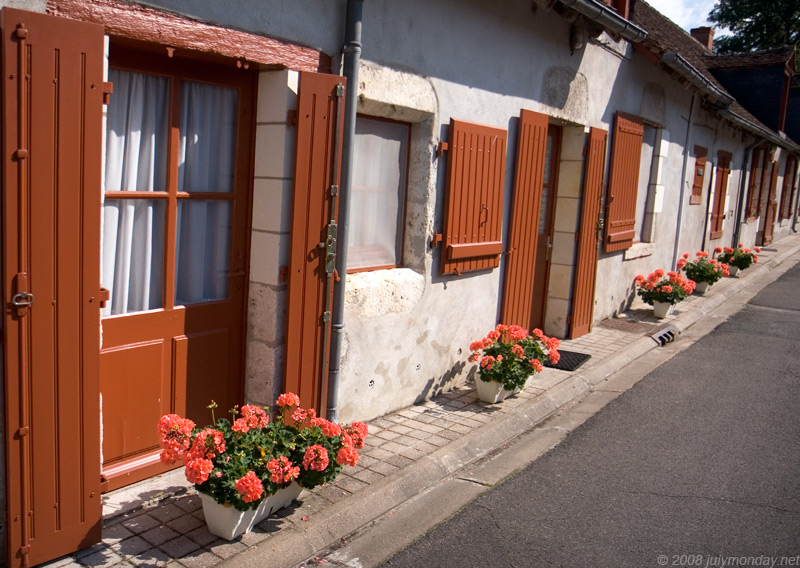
[
  {"x": 525, "y": 210},
  {"x": 586, "y": 267},
  {"x": 623, "y": 182},
  {"x": 474, "y": 194},
  {"x": 720, "y": 190}
]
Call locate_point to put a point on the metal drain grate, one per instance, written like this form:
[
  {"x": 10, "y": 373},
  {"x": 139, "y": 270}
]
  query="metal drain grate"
[{"x": 666, "y": 334}]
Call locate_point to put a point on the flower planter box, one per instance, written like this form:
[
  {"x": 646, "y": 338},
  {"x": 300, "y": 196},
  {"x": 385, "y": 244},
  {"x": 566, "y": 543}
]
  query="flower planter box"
[
  {"x": 492, "y": 392},
  {"x": 701, "y": 288},
  {"x": 734, "y": 271},
  {"x": 227, "y": 522},
  {"x": 661, "y": 309}
]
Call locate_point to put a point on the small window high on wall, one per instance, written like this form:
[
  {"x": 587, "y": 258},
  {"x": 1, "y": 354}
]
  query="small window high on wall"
[{"x": 377, "y": 199}]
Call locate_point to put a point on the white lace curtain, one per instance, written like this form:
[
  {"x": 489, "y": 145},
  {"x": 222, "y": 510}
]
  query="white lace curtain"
[{"x": 136, "y": 161}]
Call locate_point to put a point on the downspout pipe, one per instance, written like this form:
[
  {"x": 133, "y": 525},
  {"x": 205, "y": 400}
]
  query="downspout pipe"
[
  {"x": 608, "y": 18},
  {"x": 683, "y": 182},
  {"x": 351, "y": 59}
]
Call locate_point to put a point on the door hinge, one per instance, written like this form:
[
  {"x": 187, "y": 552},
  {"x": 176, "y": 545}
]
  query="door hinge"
[
  {"x": 108, "y": 89},
  {"x": 442, "y": 148},
  {"x": 23, "y": 431},
  {"x": 340, "y": 90},
  {"x": 326, "y": 317}
]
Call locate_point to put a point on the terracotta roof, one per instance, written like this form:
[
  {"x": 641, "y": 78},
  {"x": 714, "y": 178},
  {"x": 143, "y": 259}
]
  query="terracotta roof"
[{"x": 762, "y": 58}]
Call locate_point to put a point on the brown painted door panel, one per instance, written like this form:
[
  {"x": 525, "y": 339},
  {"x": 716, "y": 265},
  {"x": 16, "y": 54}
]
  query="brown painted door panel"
[
  {"x": 520, "y": 271},
  {"x": 586, "y": 268},
  {"x": 179, "y": 357},
  {"x": 319, "y": 113},
  {"x": 51, "y": 222}
]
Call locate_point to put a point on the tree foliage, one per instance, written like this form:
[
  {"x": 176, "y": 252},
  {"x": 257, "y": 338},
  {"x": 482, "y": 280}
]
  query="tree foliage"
[{"x": 756, "y": 24}]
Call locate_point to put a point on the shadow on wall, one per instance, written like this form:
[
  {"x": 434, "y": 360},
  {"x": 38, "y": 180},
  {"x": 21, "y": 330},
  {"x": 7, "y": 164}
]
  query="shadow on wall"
[
  {"x": 445, "y": 382},
  {"x": 567, "y": 89}
]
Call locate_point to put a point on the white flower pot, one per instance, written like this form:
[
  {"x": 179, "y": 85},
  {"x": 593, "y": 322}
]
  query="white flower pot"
[
  {"x": 492, "y": 391},
  {"x": 733, "y": 271},
  {"x": 701, "y": 287},
  {"x": 661, "y": 309},
  {"x": 227, "y": 522}
]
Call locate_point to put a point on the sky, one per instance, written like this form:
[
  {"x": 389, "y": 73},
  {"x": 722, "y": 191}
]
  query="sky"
[{"x": 686, "y": 13}]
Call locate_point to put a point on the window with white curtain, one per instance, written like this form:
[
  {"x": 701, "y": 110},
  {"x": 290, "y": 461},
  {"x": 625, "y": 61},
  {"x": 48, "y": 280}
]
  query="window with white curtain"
[
  {"x": 377, "y": 199},
  {"x": 139, "y": 199}
]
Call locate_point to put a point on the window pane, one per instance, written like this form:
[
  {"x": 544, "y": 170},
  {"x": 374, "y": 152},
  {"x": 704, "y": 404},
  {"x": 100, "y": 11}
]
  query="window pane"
[
  {"x": 378, "y": 193},
  {"x": 202, "y": 251},
  {"x": 133, "y": 254},
  {"x": 136, "y": 133},
  {"x": 207, "y": 138},
  {"x": 546, "y": 185}
]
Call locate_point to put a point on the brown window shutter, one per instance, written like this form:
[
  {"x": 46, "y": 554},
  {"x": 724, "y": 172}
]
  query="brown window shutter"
[
  {"x": 473, "y": 210},
  {"x": 720, "y": 189},
  {"x": 586, "y": 267},
  {"x": 623, "y": 182},
  {"x": 699, "y": 173},
  {"x": 524, "y": 229},
  {"x": 754, "y": 187},
  {"x": 787, "y": 192}
]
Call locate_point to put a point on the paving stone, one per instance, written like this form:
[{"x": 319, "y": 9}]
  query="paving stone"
[
  {"x": 381, "y": 423},
  {"x": 399, "y": 461},
  {"x": 153, "y": 557},
  {"x": 123, "y": 564},
  {"x": 430, "y": 428},
  {"x": 368, "y": 476},
  {"x": 179, "y": 547},
  {"x": 63, "y": 562},
  {"x": 384, "y": 468},
  {"x": 408, "y": 413},
  {"x": 438, "y": 441},
  {"x": 366, "y": 461},
  {"x": 374, "y": 442},
  {"x": 471, "y": 423},
  {"x": 185, "y": 524},
  {"x": 140, "y": 523},
  {"x": 387, "y": 434},
  {"x": 350, "y": 484},
  {"x": 166, "y": 512},
  {"x": 424, "y": 447},
  {"x": 458, "y": 428},
  {"x": 413, "y": 454},
  {"x": 98, "y": 547},
  {"x": 101, "y": 559},
  {"x": 418, "y": 435},
  {"x": 225, "y": 549},
  {"x": 254, "y": 537},
  {"x": 401, "y": 428},
  {"x": 393, "y": 447},
  {"x": 115, "y": 533},
  {"x": 379, "y": 454},
  {"x": 131, "y": 546},
  {"x": 425, "y": 418},
  {"x": 159, "y": 535},
  {"x": 332, "y": 493},
  {"x": 189, "y": 503}
]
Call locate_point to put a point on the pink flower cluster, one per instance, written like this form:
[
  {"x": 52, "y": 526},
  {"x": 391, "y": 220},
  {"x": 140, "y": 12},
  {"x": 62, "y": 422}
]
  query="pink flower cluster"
[
  {"x": 355, "y": 434},
  {"x": 249, "y": 487},
  {"x": 252, "y": 417},
  {"x": 176, "y": 437},
  {"x": 316, "y": 458},
  {"x": 347, "y": 456},
  {"x": 282, "y": 471}
]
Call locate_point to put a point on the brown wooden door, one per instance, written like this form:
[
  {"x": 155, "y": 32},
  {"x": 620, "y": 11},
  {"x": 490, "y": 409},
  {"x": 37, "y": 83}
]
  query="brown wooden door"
[
  {"x": 319, "y": 116},
  {"x": 720, "y": 189},
  {"x": 523, "y": 232},
  {"x": 52, "y": 137},
  {"x": 586, "y": 268},
  {"x": 175, "y": 250},
  {"x": 772, "y": 207}
]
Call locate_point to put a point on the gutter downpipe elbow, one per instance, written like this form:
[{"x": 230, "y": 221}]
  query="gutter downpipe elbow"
[
  {"x": 351, "y": 59},
  {"x": 608, "y": 18}
]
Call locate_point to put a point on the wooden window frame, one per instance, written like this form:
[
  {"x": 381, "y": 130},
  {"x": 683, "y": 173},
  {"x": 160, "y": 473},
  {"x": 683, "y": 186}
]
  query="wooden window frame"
[
  {"x": 401, "y": 222},
  {"x": 701, "y": 157},
  {"x": 132, "y": 59}
]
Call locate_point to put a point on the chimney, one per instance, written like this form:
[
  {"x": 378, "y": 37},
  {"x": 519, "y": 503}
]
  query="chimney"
[{"x": 705, "y": 35}]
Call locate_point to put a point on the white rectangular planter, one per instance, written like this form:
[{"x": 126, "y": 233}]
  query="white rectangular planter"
[
  {"x": 492, "y": 392},
  {"x": 227, "y": 522}
]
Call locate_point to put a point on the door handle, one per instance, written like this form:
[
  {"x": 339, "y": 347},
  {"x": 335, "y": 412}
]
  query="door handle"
[{"x": 22, "y": 300}]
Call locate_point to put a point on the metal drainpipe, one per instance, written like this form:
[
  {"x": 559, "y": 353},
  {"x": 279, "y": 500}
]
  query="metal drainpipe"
[
  {"x": 740, "y": 203},
  {"x": 351, "y": 59},
  {"x": 683, "y": 182}
]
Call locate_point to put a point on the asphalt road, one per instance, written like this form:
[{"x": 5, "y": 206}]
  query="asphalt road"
[{"x": 697, "y": 465}]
